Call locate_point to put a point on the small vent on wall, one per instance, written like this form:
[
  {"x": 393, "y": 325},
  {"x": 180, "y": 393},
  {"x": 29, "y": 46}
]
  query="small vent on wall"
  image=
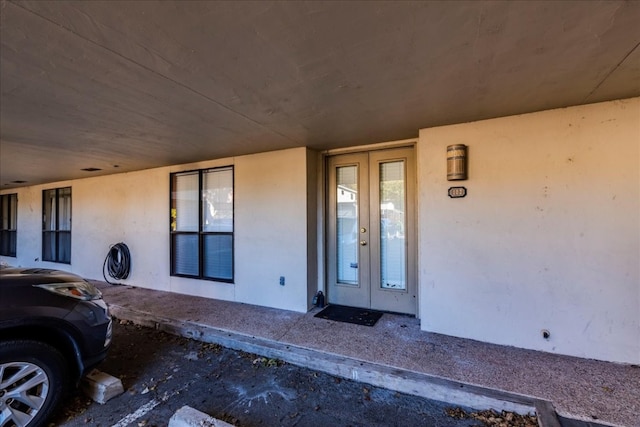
[{"x": 91, "y": 169}]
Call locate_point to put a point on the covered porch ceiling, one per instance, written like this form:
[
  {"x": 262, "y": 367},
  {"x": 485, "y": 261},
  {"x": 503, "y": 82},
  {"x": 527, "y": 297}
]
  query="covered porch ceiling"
[{"x": 131, "y": 85}]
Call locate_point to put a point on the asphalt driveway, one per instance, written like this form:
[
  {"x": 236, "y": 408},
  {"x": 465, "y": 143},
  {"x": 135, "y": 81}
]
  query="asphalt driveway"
[{"x": 161, "y": 373}]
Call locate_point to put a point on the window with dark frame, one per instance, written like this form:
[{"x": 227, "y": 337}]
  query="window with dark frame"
[
  {"x": 202, "y": 224},
  {"x": 56, "y": 225},
  {"x": 8, "y": 224}
]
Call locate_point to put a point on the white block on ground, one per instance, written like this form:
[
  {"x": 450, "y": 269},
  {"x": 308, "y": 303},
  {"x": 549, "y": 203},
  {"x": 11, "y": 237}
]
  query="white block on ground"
[
  {"x": 100, "y": 386},
  {"x": 189, "y": 417}
]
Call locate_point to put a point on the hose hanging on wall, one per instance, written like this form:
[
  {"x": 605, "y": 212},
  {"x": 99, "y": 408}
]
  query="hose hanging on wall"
[{"x": 117, "y": 263}]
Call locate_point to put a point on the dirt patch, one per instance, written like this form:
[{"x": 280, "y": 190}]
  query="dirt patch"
[{"x": 493, "y": 418}]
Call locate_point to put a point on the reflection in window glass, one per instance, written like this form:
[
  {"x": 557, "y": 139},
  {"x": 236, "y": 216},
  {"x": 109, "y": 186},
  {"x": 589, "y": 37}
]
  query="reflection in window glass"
[
  {"x": 56, "y": 225},
  {"x": 202, "y": 224},
  {"x": 8, "y": 224},
  {"x": 217, "y": 200},
  {"x": 184, "y": 201},
  {"x": 186, "y": 259},
  {"x": 392, "y": 226},
  {"x": 64, "y": 198},
  {"x": 347, "y": 224}
]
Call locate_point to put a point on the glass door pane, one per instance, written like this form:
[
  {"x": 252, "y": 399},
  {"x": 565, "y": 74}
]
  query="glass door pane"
[
  {"x": 392, "y": 226},
  {"x": 347, "y": 224}
]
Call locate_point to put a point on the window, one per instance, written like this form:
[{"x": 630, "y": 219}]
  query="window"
[
  {"x": 202, "y": 224},
  {"x": 8, "y": 224},
  {"x": 56, "y": 225}
]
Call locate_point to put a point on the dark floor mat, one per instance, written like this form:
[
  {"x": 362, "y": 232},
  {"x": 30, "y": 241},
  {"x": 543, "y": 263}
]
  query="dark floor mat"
[{"x": 358, "y": 316}]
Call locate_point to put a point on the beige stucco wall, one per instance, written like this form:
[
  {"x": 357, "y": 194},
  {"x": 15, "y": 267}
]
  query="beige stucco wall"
[
  {"x": 271, "y": 236},
  {"x": 548, "y": 236},
  {"x": 271, "y": 229}
]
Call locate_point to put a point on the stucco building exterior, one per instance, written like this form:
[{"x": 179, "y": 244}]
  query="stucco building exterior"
[
  {"x": 258, "y": 152},
  {"x": 545, "y": 239}
]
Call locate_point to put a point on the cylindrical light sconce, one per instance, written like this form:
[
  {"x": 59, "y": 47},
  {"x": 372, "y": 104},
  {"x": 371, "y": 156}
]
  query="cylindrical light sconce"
[{"x": 456, "y": 162}]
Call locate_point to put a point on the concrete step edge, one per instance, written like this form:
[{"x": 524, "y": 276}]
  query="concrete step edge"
[{"x": 392, "y": 378}]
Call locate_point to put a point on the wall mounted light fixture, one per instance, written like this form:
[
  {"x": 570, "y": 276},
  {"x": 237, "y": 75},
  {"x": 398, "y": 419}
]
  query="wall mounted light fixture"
[{"x": 456, "y": 162}]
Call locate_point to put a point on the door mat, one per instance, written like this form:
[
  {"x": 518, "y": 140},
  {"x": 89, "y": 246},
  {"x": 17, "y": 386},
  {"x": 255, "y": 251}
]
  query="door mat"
[{"x": 358, "y": 316}]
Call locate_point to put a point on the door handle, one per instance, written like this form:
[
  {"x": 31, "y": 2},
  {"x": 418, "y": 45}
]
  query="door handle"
[{"x": 363, "y": 243}]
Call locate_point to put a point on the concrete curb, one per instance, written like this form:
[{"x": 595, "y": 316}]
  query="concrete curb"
[
  {"x": 101, "y": 387},
  {"x": 404, "y": 381},
  {"x": 189, "y": 417}
]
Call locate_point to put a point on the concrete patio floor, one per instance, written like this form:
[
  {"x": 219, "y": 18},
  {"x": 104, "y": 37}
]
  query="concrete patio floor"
[{"x": 396, "y": 354}]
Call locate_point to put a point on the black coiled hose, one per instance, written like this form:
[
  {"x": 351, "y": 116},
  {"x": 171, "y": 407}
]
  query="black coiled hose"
[{"x": 117, "y": 263}]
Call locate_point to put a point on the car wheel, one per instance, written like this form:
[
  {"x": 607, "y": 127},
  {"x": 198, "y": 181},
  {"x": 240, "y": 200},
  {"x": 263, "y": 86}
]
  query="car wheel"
[{"x": 32, "y": 382}]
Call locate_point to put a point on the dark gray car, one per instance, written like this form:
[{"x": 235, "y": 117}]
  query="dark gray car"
[{"x": 54, "y": 327}]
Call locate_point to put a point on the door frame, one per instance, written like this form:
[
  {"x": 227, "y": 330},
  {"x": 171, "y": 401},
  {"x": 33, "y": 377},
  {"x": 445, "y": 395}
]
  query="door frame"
[
  {"x": 411, "y": 214},
  {"x": 353, "y": 295}
]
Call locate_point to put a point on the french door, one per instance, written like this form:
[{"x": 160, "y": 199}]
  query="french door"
[{"x": 371, "y": 230}]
